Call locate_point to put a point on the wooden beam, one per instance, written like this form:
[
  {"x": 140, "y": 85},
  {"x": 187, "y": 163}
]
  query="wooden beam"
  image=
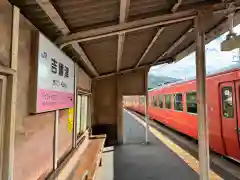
[
  {"x": 121, "y": 72},
  {"x": 170, "y": 60},
  {"x": 209, "y": 36},
  {"x": 164, "y": 61},
  {"x": 84, "y": 57},
  {"x": 136, "y": 25},
  {"x": 175, "y": 44},
  {"x": 121, "y": 39},
  {"x": 125, "y": 28},
  {"x": 7, "y": 71},
  {"x": 15, "y": 37},
  {"x": 90, "y": 38},
  {"x": 174, "y": 9},
  {"x": 52, "y": 13},
  {"x": 124, "y": 8},
  {"x": 150, "y": 45},
  {"x": 176, "y": 6},
  {"x": 50, "y": 10}
]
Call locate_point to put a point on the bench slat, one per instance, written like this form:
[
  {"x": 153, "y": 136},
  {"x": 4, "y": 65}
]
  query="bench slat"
[{"x": 89, "y": 160}]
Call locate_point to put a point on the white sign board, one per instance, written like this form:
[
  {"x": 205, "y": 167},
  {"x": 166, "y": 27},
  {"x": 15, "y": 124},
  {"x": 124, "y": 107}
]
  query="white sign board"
[{"x": 55, "y": 77}]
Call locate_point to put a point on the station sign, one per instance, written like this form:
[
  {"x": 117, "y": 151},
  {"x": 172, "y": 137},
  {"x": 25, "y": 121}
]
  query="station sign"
[{"x": 54, "y": 83}]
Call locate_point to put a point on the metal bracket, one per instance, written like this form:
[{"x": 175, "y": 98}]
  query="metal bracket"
[{"x": 231, "y": 13}]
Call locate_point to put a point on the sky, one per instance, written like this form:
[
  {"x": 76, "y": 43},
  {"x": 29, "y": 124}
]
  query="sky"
[{"x": 215, "y": 60}]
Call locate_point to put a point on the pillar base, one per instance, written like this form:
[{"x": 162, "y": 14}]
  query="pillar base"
[{"x": 148, "y": 142}]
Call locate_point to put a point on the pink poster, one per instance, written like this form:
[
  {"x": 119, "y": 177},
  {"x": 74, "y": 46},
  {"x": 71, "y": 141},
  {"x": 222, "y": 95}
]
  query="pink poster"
[{"x": 51, "y": 100}]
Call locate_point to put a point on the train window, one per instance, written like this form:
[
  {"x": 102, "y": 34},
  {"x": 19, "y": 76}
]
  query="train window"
[
  {"x": 160, "y": 101},
  {"x": 178, "y": 105},
  {"x": 141, "y": 100},
  {"x": 168, "y": 104},
  {"x": 152, "y": 100},
  {"x": 227, "y": 102},
  {"x": 155, "y": 100},
  {"x": 192, "y": 102}
]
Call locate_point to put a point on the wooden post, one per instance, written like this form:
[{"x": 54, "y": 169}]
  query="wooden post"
[
  {"x": 119, "y": 111},
  {"x": 15, "y": 37},
  {"x": 3, "y": 93},
  {"x": 55, "y": 140},
  {"x": 89, "y": 114},
  {"x": 74, "y": 137},
  {"x": 92, "y": 107},
  {"x": 146, "y": 107},
  {"x": 203, "y": 141},
  {"x": 9, "y": 132},
  {"x": 93, "y": 119}
]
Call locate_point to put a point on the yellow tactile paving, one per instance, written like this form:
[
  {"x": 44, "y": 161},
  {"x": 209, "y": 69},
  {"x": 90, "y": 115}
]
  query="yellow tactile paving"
[{"x": 185, "y": 156}]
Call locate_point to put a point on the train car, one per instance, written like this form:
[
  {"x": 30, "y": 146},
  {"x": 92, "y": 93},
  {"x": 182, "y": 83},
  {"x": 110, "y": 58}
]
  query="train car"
[
  {"x": 135, "y": 103},
  {"x": 175, "y": 106}
]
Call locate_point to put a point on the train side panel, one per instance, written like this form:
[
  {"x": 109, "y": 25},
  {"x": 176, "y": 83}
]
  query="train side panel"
[
  {"x": 213, "y": 116},
  {"x": 179, "y": 120},
  {"x": 214, "y": 109},
  {"x": 187, "y": 123}
]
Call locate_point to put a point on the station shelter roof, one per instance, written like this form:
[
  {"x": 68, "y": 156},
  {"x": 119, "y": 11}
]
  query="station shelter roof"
[{"x": 114, "y": 36}]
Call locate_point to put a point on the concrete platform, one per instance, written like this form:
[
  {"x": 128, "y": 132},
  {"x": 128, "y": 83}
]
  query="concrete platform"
[{"x": 137, "y": 161}]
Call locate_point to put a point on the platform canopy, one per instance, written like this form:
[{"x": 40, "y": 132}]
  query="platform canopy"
[{"x": 114, "y": 36}]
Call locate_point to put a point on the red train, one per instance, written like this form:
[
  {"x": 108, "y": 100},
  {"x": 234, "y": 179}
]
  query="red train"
[{"x": 175, "y": 106}]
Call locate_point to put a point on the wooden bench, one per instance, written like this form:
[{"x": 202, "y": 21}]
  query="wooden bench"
[{"x": 90, "y": 159}]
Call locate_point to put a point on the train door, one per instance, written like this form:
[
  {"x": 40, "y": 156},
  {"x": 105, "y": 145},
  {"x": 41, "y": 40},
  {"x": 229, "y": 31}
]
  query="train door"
[{"x": 230, "y": 114}]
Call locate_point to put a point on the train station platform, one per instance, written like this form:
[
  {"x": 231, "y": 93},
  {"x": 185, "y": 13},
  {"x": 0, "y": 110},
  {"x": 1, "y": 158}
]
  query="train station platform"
[{"x": 136, "y": 160}]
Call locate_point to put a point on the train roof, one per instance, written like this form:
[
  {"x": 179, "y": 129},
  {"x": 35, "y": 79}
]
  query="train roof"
[{"x": 228, "y": 69}]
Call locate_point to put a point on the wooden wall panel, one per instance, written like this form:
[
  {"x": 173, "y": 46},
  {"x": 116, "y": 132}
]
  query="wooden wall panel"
[
  {"x": 105, "y": 100},
  {"x": 133, "y": 83},
  {"x": 107, "y": 93},
  {"x": 83, "y": 80},
  {"x": 5, "y": 36},
  {"x": 34, "y": 133},
  {"x": 105, "y": 109}
]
